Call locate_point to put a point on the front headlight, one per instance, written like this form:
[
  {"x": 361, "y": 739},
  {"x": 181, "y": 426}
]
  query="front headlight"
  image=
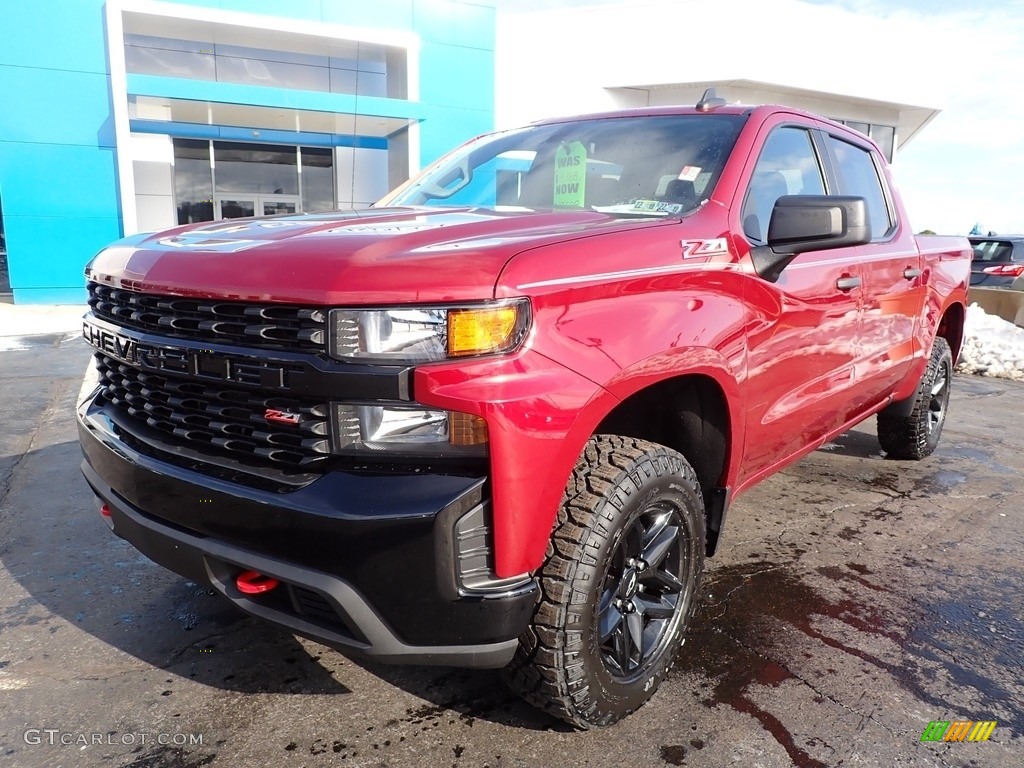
[
  {"x": 368, "y": 429},
  {"x": 425, "y": 334}
]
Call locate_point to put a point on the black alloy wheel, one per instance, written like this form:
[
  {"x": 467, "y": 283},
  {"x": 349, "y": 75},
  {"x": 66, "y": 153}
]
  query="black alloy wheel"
[
  {"x": 644, "y": 590},
  {"x": 619, "y": 584}
]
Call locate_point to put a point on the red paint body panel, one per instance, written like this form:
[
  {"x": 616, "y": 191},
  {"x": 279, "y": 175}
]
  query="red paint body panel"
[
  {"x": 381, "y": 256},
  {"x": 618, "y": 305}
]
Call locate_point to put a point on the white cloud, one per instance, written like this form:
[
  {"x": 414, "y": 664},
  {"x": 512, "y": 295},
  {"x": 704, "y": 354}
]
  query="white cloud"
[
  {"x": 963, "y": 56},
  {"x": 966, "y": 166}
]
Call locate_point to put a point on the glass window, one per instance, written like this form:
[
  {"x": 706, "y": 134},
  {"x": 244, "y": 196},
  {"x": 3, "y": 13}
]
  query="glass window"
[
  {"x": 612, "y": 165},
  {"x": 859, "y": 176},
  {"x": 885, "y": 138},
  {"x": 266, "y": 168},
  {"x": 992, "y": 250},
  {"x": 277, "y": 74},
  {"x": 864, "y": 128},
  {"x": 5, "y": 275},
  {"x": 787, "y": 165},
  {"x": 193, "y": 181},
  {"x": 366, "y": 69},
  {"x": 147, "y": 55},
  {"x": 317, "y": 179}
]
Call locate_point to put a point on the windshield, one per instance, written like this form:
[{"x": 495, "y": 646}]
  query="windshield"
[{"x": 634, "y": 166}]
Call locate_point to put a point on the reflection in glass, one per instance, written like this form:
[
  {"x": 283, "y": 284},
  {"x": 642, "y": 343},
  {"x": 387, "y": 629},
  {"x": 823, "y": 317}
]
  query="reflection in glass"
[
  {"x": 237, "y": 209},
  {"x": 267, "y": 168},
  {"x": 169, "y": 63},
  {"x": 317, "y": 179},
  {"x": 5, "y": 275},
  {"x": 277, "y": 207},
  {"x": 366, "y": 69},
  {"x": 247, "y": 177},
  {"x": 250, "y": 71},
  {"x": 193, "y": 181},
  {"x": 885, "y": 138}
]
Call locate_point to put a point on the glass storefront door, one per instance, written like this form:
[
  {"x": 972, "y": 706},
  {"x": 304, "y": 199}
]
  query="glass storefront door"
[
  {"x": 274, "y": 205},
  {"x": 241, "y": 206},
  {"x": 231, "y": 180}
]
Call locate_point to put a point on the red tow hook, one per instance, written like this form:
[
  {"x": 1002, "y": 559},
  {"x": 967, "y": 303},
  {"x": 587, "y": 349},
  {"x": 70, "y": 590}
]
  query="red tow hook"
[
  {"x": 108, "y": 518},
  {"x": 255, "y": 583}
]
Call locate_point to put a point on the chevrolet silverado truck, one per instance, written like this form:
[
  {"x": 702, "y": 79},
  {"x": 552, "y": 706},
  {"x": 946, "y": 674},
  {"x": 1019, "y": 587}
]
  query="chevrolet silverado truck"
[{"x": 497, "y": 419}]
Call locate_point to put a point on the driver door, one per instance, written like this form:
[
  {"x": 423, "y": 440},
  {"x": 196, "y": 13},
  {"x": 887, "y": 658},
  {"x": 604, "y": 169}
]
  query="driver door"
[{"x": 803, "y": 330}]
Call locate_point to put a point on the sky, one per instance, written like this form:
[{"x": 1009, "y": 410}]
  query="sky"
[{"x": 966, "y": 57}]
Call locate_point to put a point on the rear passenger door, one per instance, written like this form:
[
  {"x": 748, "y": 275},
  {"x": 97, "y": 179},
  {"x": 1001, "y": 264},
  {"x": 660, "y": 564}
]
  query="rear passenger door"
[
  {"x": 803, "y": 333},
  {"x": 891, "y": 269}
]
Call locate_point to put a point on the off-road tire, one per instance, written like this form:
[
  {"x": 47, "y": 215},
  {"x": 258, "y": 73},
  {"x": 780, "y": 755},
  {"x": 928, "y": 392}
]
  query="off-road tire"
[
  {"x": 917, "y": 435},
  {"x": 623, "y": 492}
]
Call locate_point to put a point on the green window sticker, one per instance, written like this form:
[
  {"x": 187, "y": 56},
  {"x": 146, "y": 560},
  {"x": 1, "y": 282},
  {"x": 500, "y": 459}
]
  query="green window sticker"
[{"x": 570, "y": 175}]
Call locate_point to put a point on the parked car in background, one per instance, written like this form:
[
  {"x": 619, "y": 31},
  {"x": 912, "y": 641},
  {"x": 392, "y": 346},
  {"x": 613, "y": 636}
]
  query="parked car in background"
[{"x": 998, "y": 260}]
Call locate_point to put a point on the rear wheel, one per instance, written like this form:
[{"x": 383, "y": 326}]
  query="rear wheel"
[
  {"x": 618, "y": 586},
  {"x": 917, "y": 435}
]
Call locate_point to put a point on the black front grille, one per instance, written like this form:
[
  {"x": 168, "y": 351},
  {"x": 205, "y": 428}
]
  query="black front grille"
[
  {"x": 226, "y": 420},
  {"x": 267, "y": 326}
]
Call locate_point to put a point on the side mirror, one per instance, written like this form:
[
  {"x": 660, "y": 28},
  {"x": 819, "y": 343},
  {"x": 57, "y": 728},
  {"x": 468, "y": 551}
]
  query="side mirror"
[{"x": 802, "y": 223}]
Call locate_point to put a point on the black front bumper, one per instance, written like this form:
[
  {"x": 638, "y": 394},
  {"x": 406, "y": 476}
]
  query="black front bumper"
[{"x": 367, "y": 561}]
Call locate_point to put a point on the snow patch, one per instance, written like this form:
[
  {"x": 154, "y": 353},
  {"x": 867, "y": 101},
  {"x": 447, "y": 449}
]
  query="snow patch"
[
  {"x": 39, "y": 319},
  {"x": 992, "y": 346}
]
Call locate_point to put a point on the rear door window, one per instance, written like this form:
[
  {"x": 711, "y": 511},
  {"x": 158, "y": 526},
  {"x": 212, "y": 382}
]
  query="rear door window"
[{"x": 858, "y": 175}]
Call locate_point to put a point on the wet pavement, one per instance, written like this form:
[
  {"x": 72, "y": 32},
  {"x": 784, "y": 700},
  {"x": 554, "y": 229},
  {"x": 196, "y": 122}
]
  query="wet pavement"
[{"x": 854, "y": 600}]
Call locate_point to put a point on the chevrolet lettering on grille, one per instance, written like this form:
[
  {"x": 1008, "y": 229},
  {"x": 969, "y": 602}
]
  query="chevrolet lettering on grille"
[
  {"x": 179, "y": 360},
  {"x": 119, "y": 347}
]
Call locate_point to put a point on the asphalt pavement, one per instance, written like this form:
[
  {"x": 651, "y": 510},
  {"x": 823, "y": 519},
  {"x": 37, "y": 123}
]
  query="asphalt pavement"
[{"x": 855, "y": 599}]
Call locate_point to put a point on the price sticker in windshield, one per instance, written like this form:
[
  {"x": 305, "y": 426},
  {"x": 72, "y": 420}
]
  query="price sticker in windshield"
[{"x": 570, "y": 175}]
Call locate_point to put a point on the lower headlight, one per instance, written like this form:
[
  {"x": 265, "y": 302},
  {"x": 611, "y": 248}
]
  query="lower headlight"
[{"x": 368, "y": 429}]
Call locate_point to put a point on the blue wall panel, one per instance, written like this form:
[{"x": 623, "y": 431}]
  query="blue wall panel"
[
  {"x": 58, "y": 34},
  {"x": 455, "y": 22},
  {"x": 60, "y": 247},
  {"x": 58, "y": 180},
  {"x": 56, "y": 107},
  {"x": 57, "y": 167},
  {"x": 454, "y": 76}
]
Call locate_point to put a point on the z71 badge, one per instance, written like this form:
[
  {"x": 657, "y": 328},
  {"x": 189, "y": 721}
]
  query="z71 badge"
[{"x": 693, "y": 249}]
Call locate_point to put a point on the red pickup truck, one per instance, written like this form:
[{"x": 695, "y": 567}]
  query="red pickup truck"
[{"x": 497, "y": 419}]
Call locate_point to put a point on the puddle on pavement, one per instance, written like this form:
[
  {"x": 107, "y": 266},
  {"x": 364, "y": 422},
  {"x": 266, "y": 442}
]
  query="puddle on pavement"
[{"x": 733, "y": 645}]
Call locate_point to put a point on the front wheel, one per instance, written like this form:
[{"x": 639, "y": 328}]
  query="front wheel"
[
  {"x": 618, "y": 586},
  {"x": 917, "y": 435}
]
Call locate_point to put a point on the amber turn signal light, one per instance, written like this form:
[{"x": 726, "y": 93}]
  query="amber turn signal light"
[{"x": 480, "y": 330}]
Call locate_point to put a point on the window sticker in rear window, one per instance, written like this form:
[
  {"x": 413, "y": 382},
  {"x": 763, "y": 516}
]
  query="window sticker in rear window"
[{"x": 570, "y": 175}]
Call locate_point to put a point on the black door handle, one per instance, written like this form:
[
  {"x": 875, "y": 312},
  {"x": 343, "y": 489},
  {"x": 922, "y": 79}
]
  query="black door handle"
[
  {"x": 847, "y": 283},
  {"x": 911, "y": 272}
]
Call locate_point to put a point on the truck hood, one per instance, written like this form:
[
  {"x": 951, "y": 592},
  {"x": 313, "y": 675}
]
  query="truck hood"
[{"x": 374, "y": 256}]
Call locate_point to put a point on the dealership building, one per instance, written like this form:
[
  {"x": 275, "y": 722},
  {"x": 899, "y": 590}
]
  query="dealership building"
[{"x": 125, "y": 116}]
